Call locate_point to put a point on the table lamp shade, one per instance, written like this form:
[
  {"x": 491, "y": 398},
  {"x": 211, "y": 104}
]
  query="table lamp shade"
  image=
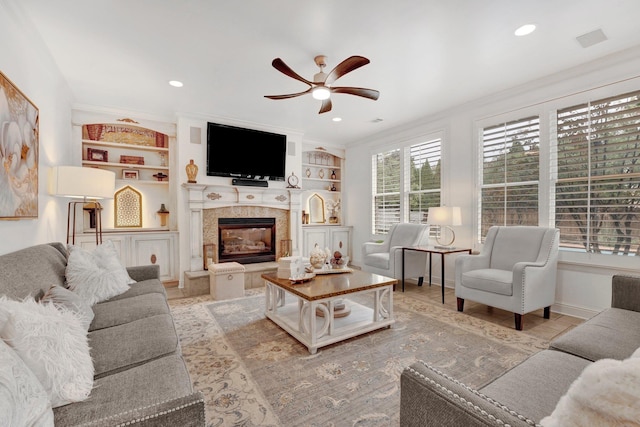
[
  {"x": 81, "y": 182},
  {"x": 445, "y": 215}
]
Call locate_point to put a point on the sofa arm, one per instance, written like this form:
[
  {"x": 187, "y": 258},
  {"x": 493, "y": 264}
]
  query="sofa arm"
[
  {"x": 429, "y": 397},
  {"x": 187, "y": 411},
  {"x": 144, "y": 272},
  {"x": 625, "y": 292}
]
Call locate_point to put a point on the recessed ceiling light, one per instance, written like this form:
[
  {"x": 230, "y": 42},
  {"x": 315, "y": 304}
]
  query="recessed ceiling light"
[
  {"x": 525, "y": 29},
  {"x": 175, "y": 83},
  {"x": 337, "y": 119}
]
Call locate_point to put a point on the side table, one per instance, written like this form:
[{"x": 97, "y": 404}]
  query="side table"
[{"x": 432, "y": 250}]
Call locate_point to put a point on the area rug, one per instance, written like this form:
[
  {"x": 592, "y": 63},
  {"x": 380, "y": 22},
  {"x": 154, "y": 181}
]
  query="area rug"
[{"x": 253, "y": 373}]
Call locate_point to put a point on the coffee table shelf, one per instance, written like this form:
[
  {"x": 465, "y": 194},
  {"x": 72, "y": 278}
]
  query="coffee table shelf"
[{"x": 293, "y": 307}]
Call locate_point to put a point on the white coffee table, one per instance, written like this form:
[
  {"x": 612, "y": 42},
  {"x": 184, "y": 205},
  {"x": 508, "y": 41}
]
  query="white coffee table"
[{"x": 293, "y": 306}]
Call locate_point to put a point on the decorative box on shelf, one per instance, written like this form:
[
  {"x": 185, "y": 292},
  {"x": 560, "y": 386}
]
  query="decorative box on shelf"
[{"x": 290, "y": 267}]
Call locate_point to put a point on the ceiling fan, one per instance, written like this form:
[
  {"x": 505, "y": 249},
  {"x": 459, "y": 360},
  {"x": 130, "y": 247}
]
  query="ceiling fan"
[{"x": 321, "y": 87}]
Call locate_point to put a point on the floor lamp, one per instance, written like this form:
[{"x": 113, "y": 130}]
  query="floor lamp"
[
  {"x": 445, "y": 216},
  {"x": 88, "y": 184}
]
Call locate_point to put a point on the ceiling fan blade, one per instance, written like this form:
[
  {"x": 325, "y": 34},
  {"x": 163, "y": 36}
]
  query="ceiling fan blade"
[
  {"x": 346, "y": 66},
  {"x": 289, "y": 95},
  {"x": 358, "y": 91},
  {"x": 326, "y": 106},
  {"x": 279, "y": 65}
]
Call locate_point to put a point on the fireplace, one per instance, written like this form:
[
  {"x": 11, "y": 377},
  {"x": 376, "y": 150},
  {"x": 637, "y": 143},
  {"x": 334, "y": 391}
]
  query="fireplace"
[{"x": 246, "y": 240}]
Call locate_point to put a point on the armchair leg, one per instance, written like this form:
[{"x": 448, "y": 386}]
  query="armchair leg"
[
  {"x": 518, "y": 318},
  {"x": 547, "y": 312},
  {"x": 420, "y": 280},
  {"x": 460, "y": 303}
]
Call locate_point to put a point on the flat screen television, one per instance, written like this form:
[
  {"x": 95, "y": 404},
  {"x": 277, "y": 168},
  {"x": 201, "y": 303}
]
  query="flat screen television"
[{"x": 245, "y": 153}]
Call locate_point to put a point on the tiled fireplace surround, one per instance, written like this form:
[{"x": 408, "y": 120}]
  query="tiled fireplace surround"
[{"x": 207, "y": 203}]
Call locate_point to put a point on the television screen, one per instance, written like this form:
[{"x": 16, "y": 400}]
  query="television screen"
[{"x": 245, "y": 153}]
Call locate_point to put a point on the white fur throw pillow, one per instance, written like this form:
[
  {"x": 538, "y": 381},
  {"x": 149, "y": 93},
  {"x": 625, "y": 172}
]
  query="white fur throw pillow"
[
  {"x": 66, "y": 299},
  {"x": 53, "y": 344},
  {"x": 605, "y": 394},
  {"x": 23, "y": 400},
  {"x": 96, "y": 276}
]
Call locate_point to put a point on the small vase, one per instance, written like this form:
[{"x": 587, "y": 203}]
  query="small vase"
[{"x": 192, "y": 172}]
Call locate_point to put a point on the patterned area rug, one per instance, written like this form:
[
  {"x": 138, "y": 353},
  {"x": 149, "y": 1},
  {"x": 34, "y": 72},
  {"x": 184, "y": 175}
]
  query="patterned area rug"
[{"x": 254, "y": 374}]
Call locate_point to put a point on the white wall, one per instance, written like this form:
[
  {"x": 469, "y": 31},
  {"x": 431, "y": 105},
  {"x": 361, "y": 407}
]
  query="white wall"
[
  {"x": 27, "y": 63},
  {"x": 584, "y": 281}
]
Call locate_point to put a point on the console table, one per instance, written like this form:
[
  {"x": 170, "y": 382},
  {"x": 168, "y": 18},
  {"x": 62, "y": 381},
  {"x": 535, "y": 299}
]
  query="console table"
[{"x": 432, "y": 250}]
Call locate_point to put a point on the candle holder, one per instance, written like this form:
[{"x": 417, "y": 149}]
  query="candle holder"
[{"x": 208, "y": 254}]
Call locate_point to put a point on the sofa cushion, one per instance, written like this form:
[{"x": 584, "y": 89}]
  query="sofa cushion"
[
  {"x": 490, "y": 280},
  {"x": 534, "y": 387},
  {"x": 605, "y": 394},
  {"x": 142, "y": 288},
  {"x": 613, "y": 333},
  {"x": 127, "y": 345},
  {"x": 53, "y": 343},
  {"x": 27, "y": 271},
  {"x": 23, "y": 400},
  {"x": 113, "y": 313},
  {"x": 66, "y": 299},
  {"x": 95, "y": 279},
  {"x": 157, "y": 381}
]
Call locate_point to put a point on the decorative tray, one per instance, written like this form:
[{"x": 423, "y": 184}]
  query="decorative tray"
[
  {"x": 332, "y": 270},
  {"x": 305, "y": 278}
]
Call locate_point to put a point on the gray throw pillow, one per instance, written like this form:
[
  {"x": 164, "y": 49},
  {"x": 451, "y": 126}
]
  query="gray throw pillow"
[{"x": 62, "y": 297}]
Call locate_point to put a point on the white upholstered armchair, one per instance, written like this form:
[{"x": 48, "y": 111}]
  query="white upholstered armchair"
[
  {"x": 385, "y": 258},
  {"x": 515, "y": 271}
]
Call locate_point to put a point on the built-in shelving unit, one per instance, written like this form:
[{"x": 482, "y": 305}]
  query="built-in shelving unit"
[{"x": 322, "y": 183}]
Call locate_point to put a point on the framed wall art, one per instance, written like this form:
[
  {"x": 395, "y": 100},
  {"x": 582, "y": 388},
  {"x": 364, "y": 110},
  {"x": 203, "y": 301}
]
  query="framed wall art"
[
  {"x": 97, "y": 155},
  {"x": 19, "y": 119}
]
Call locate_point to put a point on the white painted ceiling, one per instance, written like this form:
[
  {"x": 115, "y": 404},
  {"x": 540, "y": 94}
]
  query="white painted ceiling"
[{"x": 426, "y": 55}]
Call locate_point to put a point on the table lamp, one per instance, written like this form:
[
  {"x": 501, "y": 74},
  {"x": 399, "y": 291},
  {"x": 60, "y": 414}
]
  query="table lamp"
[
  {"x": 88, "y": 184},
  {"x": 445, "y": 216}
]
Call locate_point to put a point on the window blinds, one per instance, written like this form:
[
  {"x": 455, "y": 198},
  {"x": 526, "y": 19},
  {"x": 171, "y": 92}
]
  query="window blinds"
[{"x": 386, "y": 190}]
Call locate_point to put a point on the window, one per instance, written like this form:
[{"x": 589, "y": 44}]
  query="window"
[
  {"x": 386, "y": 190},
  {"x": 423, "y": 179},
  {"x": 510, "y": 174},
  {"x": 405, "y": 184},
  {"x": 597, "y": 177}
]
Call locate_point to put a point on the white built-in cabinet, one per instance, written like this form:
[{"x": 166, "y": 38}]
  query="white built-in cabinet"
[
  {"x": 144, "y": 248},
  {"x": 141, "y": 154},
  {"x": 334, "y": 237}
]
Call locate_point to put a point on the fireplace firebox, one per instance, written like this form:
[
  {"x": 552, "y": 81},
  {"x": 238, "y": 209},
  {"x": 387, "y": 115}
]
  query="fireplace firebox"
[{"x": 246, "y": 240}]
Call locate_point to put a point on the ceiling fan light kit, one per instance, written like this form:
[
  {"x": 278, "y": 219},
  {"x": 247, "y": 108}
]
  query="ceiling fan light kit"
[
  {"x": 321, "y": 87},
  {"x": 320, "y": 93}
]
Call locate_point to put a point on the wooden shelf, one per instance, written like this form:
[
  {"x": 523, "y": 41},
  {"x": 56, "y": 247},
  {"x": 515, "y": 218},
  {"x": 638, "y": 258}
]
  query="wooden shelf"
[
  {"x": 140, "y": 181},
  {"x": 123, "y": 165},
  {"x": 127, "y": 146}
]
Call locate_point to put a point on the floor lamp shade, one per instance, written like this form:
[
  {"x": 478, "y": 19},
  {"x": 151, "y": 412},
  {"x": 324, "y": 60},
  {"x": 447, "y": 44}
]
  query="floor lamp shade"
[
  {"x": 87, "y": 184},
  {"x": 445, "y": 216},
  {"x": 81, "y": 182}
]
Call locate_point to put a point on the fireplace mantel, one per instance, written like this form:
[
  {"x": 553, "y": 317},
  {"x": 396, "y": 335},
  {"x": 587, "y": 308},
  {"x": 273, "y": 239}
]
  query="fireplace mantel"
[{"x": 203, "y": 196}]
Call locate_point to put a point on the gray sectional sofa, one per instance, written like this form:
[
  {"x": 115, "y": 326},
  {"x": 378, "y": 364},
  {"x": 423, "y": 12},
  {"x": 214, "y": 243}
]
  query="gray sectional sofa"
[
  {"x": 530, "y": 391},
  {"x": 140, "y": 376}
]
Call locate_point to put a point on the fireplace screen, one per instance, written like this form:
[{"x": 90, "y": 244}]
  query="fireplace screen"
[{"x": 246, "y": 240}]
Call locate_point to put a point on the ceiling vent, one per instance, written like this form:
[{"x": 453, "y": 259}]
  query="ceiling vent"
[{"x": 589, "y": 39}]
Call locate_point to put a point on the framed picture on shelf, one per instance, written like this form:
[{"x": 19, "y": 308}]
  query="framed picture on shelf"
[
  {"x": 130, "y": 174},
  {"x": 97, "y": 155}
]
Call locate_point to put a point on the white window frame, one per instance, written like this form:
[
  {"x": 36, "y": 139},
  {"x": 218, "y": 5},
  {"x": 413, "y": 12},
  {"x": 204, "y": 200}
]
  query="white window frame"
[{"x": 404, "y": 151}]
